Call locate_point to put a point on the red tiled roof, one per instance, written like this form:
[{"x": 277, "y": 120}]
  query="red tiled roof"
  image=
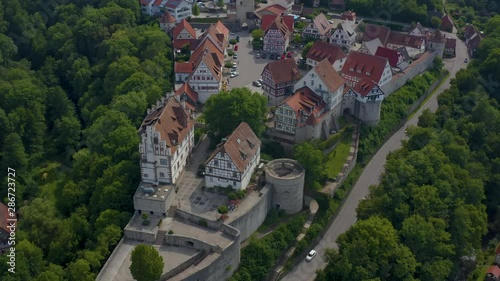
[
  {"x": 185, "y": 88},
  {"x": 438, "y": 37},
  {"x": 390, "y": 54},
  {"x": 306, "y": 102},
  {"x": 376, "y": 31},
  {"x": 222, "y": 28},
  {"x": 469, "y": 31},
  {"x": 145, "y": 2},
  {"x": 328, "y": 75},
  {"x": 166, "y": 17},
  {"x": 276, "y": 9},
  {"x": 171, "y": 120},
  {"x": 183, "y": 67},
  {"x": 407, "y": 40},
  {"x": 450, "y": 43},
  {"x": 283, "y": 71},
  {"x": 240, "y": 146},
  {"x": 179, "y": 43},
  {"x": 157, "y": 3},
  {"x": 279, "y": 24},
  {"x": 364, "y": 63},
  {"x": 4, "y": 216},
  {"x": 446, "y": 23},
  {"x": 493, "y": 270},
  {"x": 363, "y": 87},
  {"x": 322, "y": 24},
  {"x": 173, "y": 3},
  {"x": 321, "y": 50},
  {"x": 267, "y": 20},
  {"x": 348, "y": 15},
  {"x": 184, "y": 24}
]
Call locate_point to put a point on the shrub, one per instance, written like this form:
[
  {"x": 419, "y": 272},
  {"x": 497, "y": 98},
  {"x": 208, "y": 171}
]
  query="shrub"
[
  {"x": 230, "y": 53},
  {"x": 232, "y": 196},
  {"x": 222, "y": 209},
  {"x": 170, "y": 231},
  {"x": 233, "y": 41}
]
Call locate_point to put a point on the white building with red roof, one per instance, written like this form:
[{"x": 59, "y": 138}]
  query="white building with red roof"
[
  {"x": 167, "y": 139},
  {"x": 321, "y": 50},
  {"x": 234, "y": 160},
  {"x": 344, "y": 35},
  {"x": 167, "y": 22},
  {"x": 363, "y": 101},
  {"x": 279, "y": 78},
  {"x": 183, "y": 30},
  {"x": 186, "y": 95},
  {"x": 319, "y": 28},
  {"x": 359, "y": 66},
  {"x": 277, "y": 33},
  {"x": 179, "y": 9}
]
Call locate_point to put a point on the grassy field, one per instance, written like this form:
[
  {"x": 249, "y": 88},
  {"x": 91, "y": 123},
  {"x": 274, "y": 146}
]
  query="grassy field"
[{"x": 337, "y": 159}]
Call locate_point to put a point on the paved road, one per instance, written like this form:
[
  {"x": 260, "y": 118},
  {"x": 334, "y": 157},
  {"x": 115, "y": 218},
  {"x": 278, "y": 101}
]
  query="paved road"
[{"x": 305, "y": 271}]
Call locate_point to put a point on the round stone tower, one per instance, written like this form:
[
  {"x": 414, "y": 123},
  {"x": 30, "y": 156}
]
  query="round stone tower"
[
  {"x": 437, "y": 42},
  {"x": 287, "y": 179}
]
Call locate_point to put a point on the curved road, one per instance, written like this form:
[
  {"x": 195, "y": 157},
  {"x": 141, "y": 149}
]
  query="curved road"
[{"x": 305, "y": 271}]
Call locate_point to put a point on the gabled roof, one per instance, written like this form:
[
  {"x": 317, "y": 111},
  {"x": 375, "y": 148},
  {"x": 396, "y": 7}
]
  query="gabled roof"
[
  {"x": 166, "y": 17},
  {"x": 328, "y": 75},
  {"x": 372, "y": 45},
  {"x": 321, "y": 50},
  {"x": 240, "y": 146},
  {"x": 390, "y": 54},
  {"x": 275, "y": 9},
  {"x": 180, "y": 43},
  {"x": 404, "y": 53},
  {"x": 407, "y": 40},
  {"x": 283, "y": 71},
  {"x": 279, "y": 24},
  {"x": 305, "y": 102},
  {"x": 451, "y": 43},
  {"x": 222, "y": 29},
  {"x": 359, "y": 64},
  {"x": 373, "y": 31},
  {"x": 184, "y": 24},
  {"x": 364, "y": 87},
  {"x": 348, "y": 15},
  {"x": 347, "y": 27},
  {"x": 171, "y": 120},
  {"x": 4, "y": 216},
  {"x": 185, "y": 88},
  {"x": 419, "y": 28},
  {"x": 493, "y": 271},
  {"x": 183, "y": 67},
  {"x": 469, "y": 31},
  {"x": 267, "y": 20},
  {"x": 322, "y": 24},
  {"x": 446, "y": 22},
  {"x": 438, "y": 37}
]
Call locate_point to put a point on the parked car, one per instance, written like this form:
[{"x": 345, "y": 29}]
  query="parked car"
[
  {"x": 235, "y": 56},
  {"x": 237, "y": 39},
  {"x": 311, "y": 255},
  {"x": 258, "y": 55},
  {"x": 264, "y": 55},
  {"x": 235, "y": 65},
  {"x": 233, "y": 74},
  {"x": 261, "y": 81},
  {"x": 256, "y": 84}
]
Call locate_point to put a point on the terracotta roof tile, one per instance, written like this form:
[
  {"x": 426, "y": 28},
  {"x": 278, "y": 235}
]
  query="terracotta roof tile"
[
  {"x": 328, "y": 75},
  {"x": 373, "y": 31},
  {"x": 364, "y": 87},
  {"x": 446, "y": 23},
  {"x": 450, "y": 43},
  {"x": 171, "y": 120},
  {"x": 322, "y": 24},
  {"x": 321, "y": 50},
  {"x": 4, "y": 216},
  {"x": 185, "y": 88},
  {"x": 183, "y": 67},
  {"x": 276, "y": 9},
  {"x": 438, "y": 37},
  {"x": 166, "y": 17},
  {"x": 306, "y": 103},
  {"x": 283, "y": 71},
  {"x": 359, "y": 64},
  {"x": 179, "y": 43},
  {"x": 390, "y": 54},
  {"x": 403, "y": 39},
  {"x": 240, "y": 146},
  {"x": 184, "y": 24},
  {"x": 493, "y": 270},
  {"x": 145, "y": 2},
  {"x": 267, "y": 20},
  {"x": 173, "y": 3}
]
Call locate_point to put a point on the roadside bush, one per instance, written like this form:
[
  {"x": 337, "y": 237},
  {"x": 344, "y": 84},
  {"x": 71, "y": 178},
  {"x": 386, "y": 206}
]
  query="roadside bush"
[
  {"x": 222, "y": 209},
  {"x": 230, "y": 53},
  {"x": 233, "y": 41}
]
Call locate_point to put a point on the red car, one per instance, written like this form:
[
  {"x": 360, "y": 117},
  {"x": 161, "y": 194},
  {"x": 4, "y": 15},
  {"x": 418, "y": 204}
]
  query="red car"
[{"x": 236, "y": 48}]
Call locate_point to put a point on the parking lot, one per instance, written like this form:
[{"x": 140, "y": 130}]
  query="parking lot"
[{"x": 249, "y": 66}]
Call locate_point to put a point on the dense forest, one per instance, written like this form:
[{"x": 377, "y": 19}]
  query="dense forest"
[
  {"x": 439, "y": 199},
  {"x": 75, "y": 82}
]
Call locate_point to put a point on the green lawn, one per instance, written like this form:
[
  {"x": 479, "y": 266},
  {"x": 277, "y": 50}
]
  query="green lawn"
[{"x": 336, "y": 160}]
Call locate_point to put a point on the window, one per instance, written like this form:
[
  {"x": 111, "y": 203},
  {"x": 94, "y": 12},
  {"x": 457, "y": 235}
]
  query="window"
[
  {"x": 235, "y": 175},
  {"x": 216, "y": 162},
  {"x": 162, "y": 175},
  {"x": 234, "y": 183},
  {"x": 229, "y": 165},
  {"x": 312, "y": 82},
  {"x": 304, "y": 83},
  {"x": 210, "y": 170},
  {"x": 163, "y": 161},
  {"x": 320, "y": 87}
]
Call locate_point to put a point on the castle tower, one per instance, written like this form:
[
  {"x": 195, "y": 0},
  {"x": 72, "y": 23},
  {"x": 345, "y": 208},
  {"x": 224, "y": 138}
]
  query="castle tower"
[
  {"x": 287, "y": 179},
  {"x": 437, "y": 42}
]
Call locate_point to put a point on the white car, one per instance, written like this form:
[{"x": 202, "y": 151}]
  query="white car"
[
  {"x": 234, "y": 74},
  {"x": 311, "y": 255},
  {"x": 260, "y": 81},
  {"x": 235, "y": 65}
]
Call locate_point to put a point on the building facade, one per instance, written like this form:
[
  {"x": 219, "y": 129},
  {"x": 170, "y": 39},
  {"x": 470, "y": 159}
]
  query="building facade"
[
  {"x": 364, "y": 102},
  {"x": 321, "y": 50},
  {"x": 343, "y": 36},
  {"x": 234, "y": 160},
  {"x": 318, "y": 29},
  {"x": 277, "y": 35},
  {"x": 167, "y": 139},
  {"x": 279, "y": 78},
  {"x": 359, "y": 66}
]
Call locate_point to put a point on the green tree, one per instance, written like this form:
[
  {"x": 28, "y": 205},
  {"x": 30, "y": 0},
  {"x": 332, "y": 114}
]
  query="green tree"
[
  {"x": 297, "y": 39},
  {"x": 196, "y": 10},
  {"x": 67, "y": 133},
  {"x": 79, "y": 270},
  {"x": 240, "y": 105},
  {"x": 436, "y": 22},
  {"x": 257, "y": 34},
  {"x": 147, "y": 264},
  {"x": 221, "y": 3},
  {"x": 14, "y": 155},
  {"x": 311, "y": 159},
  {"x": 306, "y": 49}
]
